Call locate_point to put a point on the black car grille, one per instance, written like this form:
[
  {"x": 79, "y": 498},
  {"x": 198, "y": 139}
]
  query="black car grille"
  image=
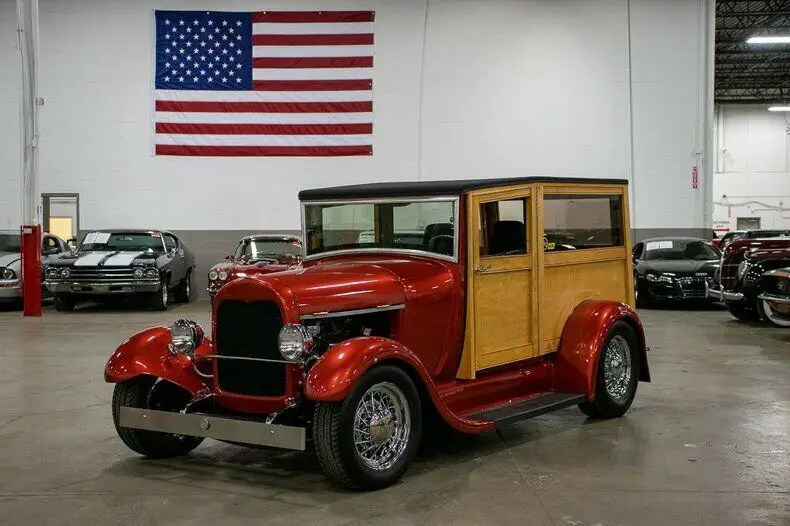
[
  {"x": 100, "y": 275},
  {"x": 249, "y": 330},
  {"x": 692, "y": 286}
]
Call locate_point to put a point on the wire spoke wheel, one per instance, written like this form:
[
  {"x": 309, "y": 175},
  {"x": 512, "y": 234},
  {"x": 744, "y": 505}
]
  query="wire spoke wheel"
[
  {"x": 617, "y": 368},
  {"x": 382, "y": 424}
]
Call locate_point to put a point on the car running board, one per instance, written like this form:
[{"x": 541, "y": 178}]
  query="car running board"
[{"x": 537, "y": 405}]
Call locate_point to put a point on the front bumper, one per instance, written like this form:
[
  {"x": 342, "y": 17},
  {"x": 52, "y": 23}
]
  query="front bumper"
[
  {"x": 224, "y": 428},
  {"x": 10, "y": 290},
  {"x": 104, "y": 287},
  {"x": 773, "y": 298},
  {"x": 715, "y": 294}
]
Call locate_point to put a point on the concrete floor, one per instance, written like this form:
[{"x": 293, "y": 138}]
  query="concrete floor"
[{"x": 708, "y": 442}]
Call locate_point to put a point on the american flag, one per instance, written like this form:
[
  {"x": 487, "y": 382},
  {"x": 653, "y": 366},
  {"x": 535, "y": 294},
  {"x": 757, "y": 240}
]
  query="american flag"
[{"x": 272, "y": 83}]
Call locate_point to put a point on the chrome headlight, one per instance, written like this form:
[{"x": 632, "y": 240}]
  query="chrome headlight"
[
  {"x": 185, "y": 337},
  {"x": 151, "y": 273},
  {"x": 7, "y": 273},
  {"x": 138, "y": 273},
  {"x": 212, "y": 275},
  {"x": 295, "y": 340},
  {"x": 65, "y": 273},
  {"x": 223, "y": 275},
  {"x": 781, "y": 285},
  {"x": 743, "y": 268},
  {"x": 53, "y": 273}
]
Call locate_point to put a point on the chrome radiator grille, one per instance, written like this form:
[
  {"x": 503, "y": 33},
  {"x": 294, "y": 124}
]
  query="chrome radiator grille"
[
  {"x": 692, "y": 286},
  {"x": 100, "y": 275}
]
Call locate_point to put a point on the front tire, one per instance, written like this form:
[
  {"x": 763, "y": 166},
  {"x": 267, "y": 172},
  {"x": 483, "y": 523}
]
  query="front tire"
[
  {"x": 64, "y": 303},
  {"x": 154, "y": 444},
  {"x": 739, "y": 311},
  {"x": 369, "y": 440},
  {"x": 618, "y": 374},
  {"x": 183, "y": 293},
  {"x": 770, "y": 317},
  {"x": 158, "y": 300}
]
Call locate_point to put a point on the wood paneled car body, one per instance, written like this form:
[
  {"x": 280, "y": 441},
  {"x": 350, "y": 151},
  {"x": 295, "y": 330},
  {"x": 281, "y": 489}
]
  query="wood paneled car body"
[{"x": 515, "y": 301}]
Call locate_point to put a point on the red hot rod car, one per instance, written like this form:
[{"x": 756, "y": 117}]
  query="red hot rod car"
[{"x": 481, "y": 320}]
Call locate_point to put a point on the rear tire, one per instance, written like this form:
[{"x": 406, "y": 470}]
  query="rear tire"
[
  {"x": 739, "y": 311},
  {"x": 769, "y": 316},
  {"x": 618, "y": 374},
  {"x": 64, "y": 303},
  {"x": 153, "y": 444},
  {"x": 349, "y": 438},
  {"x": 184, "y": 290}
]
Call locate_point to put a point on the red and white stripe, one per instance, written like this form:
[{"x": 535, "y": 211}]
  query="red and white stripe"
[{"x": 312, "y": 94}]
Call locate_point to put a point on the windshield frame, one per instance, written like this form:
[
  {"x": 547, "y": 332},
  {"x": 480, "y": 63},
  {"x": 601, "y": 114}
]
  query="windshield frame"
[{"x": 454, "y": 199}]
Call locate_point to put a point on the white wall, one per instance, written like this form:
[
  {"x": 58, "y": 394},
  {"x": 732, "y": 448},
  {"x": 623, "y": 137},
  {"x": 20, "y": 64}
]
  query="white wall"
[
  {"x": 477, "y": 89},
  {"x": 752, "y": 176},
  {"x": 10, "y": 120}
]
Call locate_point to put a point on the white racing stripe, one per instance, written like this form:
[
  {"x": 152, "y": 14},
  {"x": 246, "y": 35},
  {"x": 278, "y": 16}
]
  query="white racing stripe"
[
  {"x": 312, "y": 28},
  {"x": 312, "y": 51},
  {"x": 91, "y": 259},
  {"x": 311, "y": 73},
  {"x": 263, "y": 140},
  {"x": 123, "y": 259},
  {"x": 263, "y": 96},
  {"x": 176, "y": 117}
]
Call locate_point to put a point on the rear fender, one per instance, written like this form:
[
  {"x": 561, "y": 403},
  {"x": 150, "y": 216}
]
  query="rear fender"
[
  {"x": 583, "y": 337},
  {"x": 334, "y": 376},
  {"x": 146, "y": 353}
]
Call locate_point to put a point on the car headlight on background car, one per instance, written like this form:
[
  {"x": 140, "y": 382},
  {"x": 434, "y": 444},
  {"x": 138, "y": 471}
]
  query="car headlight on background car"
[
  {"x": 7, "y": 273},
  {"x": 223, "y": 275},
  {"x": 663, "y": 278},
  {"x": 65, "y": 273},
  {"x": 151, "y": 273},
  {"x": 213, "y": 275},
  {"x": 185, "y": 337},
  {"x": 294, "y": 340},
  {"x": 138, "y": 273},
  {"x": 743, "y": 268},
  {"x": 53, "y": 273}
]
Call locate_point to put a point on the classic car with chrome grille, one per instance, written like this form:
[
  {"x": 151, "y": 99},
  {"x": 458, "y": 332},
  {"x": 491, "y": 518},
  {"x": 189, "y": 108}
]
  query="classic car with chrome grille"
[
  {"x": 479, "y": 322},
  {"x": 774, "y": 297},
  {"x": 743, "y": 263},
  {"x": 257, "y": 254},
  {"x": 678, "y": 268},
  {"x": 11, "y": 263},
  {"x": 149, "y": 264}
]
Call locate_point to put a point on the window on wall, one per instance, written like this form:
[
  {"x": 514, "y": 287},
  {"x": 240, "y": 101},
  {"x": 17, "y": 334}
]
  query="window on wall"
[
  {"x": 572, "y": 222},
  {"x": 503, "y": 227}
]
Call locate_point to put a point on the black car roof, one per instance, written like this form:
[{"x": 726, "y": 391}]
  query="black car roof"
[
  {"x": 131, "y": 231},
  {"x": 435, "y": 188}
]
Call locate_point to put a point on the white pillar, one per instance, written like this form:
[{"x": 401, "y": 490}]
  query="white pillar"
[{"x": 27, "y": 15}]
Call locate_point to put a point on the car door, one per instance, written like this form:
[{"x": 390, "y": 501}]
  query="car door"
[
  {"x": 50, "y": 249},
  {"x": 177, "y": 258}
]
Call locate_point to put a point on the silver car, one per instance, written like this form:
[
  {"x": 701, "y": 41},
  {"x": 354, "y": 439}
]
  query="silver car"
[{"x": 11, "y": 262}]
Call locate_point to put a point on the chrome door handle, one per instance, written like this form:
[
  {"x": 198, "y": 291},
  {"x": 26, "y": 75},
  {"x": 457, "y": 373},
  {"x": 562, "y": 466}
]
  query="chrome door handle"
[{"x": 482, "y": 268}]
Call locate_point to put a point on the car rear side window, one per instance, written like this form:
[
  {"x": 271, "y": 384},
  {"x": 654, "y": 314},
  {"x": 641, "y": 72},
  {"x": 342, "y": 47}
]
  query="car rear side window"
[{"x": 572, "y": 222}]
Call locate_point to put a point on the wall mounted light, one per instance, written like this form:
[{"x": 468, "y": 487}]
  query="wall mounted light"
[
  {"x": 779, "y": 108},
  {"x": 775, "y": 39}
]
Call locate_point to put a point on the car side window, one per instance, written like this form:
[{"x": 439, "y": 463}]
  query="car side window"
[
  {"x": 582, "y": 221},
  {"x": 503, "y": 227},
  {"x": 637, "y": 253},
  {"x": 240, "y": 250},
  {"x": 170, "y": 242},
  {"x": 49, "y": 245}
]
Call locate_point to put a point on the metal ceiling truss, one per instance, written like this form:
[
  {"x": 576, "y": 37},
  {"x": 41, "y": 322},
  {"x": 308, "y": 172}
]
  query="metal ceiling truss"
[{"x": 746, "y": 72}]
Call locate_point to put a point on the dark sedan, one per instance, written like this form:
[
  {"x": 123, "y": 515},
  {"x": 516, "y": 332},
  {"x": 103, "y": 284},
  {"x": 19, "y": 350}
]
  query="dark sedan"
[
  {"x": 678, "y": 268},
  {"x": 151, "y": 264}
]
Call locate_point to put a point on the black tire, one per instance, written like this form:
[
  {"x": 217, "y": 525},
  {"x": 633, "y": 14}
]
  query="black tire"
[
  {"x": 153, "y": 444},
  {"x": 605, "y": 405},
  {"x": 741, "y": 312},
  {"x": 769, "y": 317},
  {"x": 64, "y": 303},
  {"x": 158, "y": 300},
  {"x": 333, "y": 433},
  {"x": 184, "y": 290}
]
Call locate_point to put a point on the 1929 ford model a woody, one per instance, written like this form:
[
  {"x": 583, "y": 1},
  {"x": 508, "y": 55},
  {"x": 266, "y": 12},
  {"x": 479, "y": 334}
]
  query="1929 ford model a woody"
[{"x": 482, "y": 320}]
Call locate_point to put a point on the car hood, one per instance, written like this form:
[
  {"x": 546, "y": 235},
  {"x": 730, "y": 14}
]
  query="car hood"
[
  {"x": 341, "y": 286},
  {"x": 115, "y": 258},
  {"x": 8, "y": 259},
  {"x": 686, "y": 266}
]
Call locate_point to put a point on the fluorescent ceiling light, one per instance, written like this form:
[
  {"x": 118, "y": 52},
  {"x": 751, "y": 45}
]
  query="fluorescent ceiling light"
[
  {"x": 779, "y": 108},
  {"x": 776, "y": 39}
]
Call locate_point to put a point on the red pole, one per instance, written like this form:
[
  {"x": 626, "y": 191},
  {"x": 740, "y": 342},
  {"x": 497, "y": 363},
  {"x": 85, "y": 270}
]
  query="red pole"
[{"x": 31, "y": 269}]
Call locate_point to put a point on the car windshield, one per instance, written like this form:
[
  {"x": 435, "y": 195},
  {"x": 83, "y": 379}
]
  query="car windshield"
[
  {"x": 680, "y": 249},
  {"x": 132, "y": 241},
  {"x": 263, "y": 248},
  {"x": 424, "y": 225},
  {"x": 10, "y": 243}
]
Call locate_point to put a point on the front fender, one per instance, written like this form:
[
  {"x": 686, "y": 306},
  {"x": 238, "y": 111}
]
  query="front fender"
[
  {"x": 146, "y": 353},
  {"x": 336, "y": 373},
  {"x": 583, "y": 337}
]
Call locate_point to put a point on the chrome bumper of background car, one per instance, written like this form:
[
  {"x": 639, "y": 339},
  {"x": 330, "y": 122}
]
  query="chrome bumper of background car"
[
  {"x": 714, "y": 293},
  {"x": 104, "y": 287},
  {"x": 773, "y": 298},
  {"x": 728, "y": 295},
  {"x": 10, "y": 289},
  {"x": 217, "y": 427}
]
